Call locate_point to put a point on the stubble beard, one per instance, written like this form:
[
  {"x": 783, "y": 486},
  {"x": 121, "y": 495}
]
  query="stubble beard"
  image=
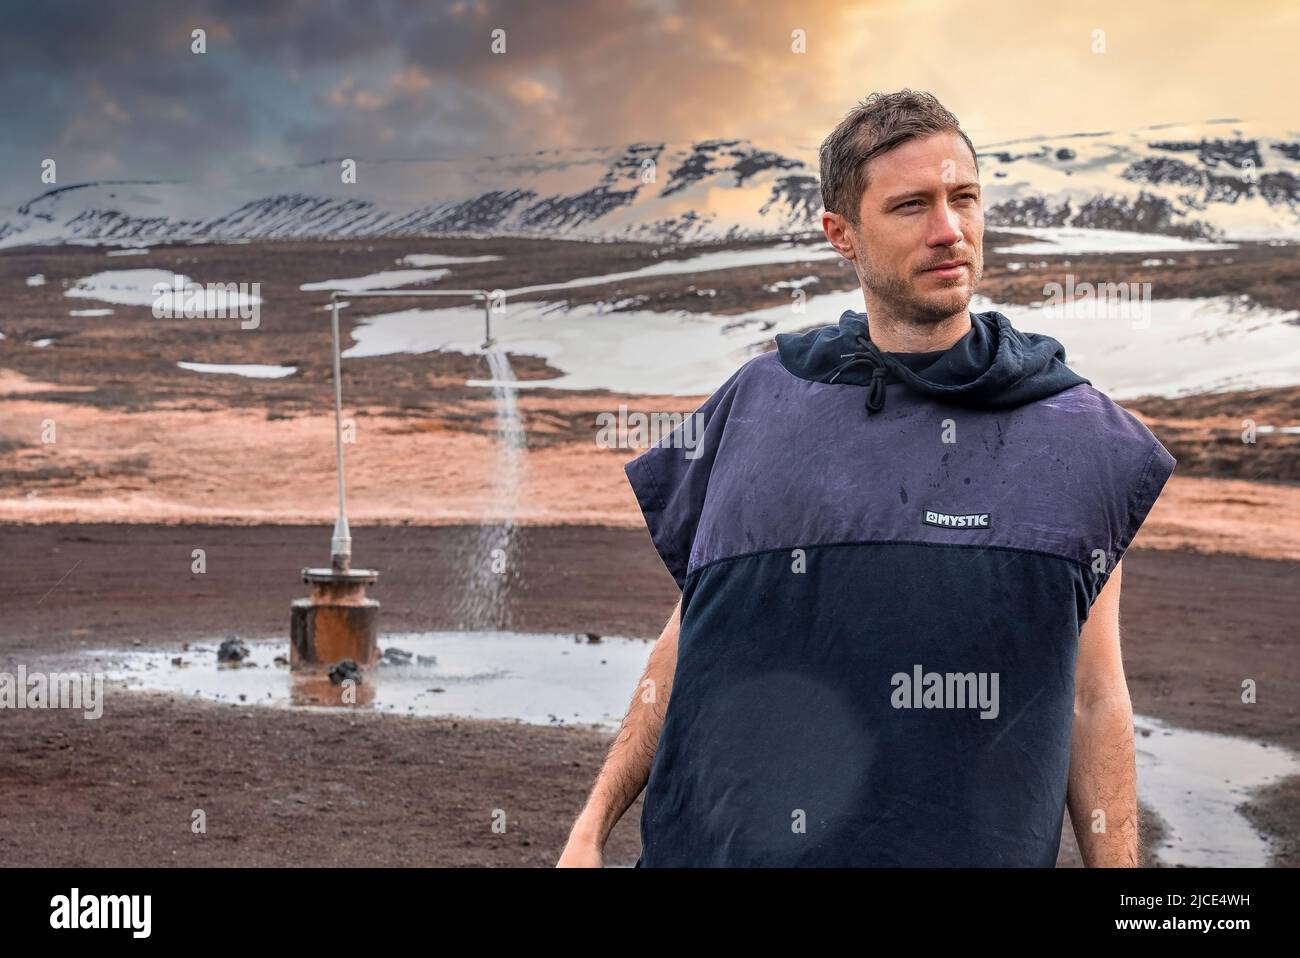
[{"x": 901, "y": 298}]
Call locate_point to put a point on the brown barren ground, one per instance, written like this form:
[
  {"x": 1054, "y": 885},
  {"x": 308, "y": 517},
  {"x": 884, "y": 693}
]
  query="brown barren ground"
[{"x": 151, "y": 461}]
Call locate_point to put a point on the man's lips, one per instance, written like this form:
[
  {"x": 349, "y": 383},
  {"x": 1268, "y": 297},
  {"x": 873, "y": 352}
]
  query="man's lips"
[{"x": 955, "y": 271}]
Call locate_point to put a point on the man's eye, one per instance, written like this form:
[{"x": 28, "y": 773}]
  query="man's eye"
[{"x": 909, "y": 203}]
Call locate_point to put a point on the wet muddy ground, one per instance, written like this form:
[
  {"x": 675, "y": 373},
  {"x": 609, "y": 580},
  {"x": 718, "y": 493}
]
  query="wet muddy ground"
[{"x": 325, "y": 788}]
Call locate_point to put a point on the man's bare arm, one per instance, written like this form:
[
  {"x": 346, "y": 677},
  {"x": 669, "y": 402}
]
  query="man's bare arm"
[
  {"x": 627, "y": 765},
  {"x": 1103, "y": 778}
]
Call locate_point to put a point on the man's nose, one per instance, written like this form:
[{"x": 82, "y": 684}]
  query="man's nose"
[{"x": 945, "y": 226}]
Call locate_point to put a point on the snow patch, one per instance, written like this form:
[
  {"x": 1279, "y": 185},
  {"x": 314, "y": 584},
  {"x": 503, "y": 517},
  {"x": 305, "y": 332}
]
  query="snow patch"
[{"x": 250, "y": 370}]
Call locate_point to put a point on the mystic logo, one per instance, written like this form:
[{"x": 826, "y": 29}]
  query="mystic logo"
[{"x": 945, "y": 520}]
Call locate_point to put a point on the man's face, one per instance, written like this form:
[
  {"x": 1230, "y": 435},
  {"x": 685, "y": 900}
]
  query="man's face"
[{"x": 922, "y": 207}]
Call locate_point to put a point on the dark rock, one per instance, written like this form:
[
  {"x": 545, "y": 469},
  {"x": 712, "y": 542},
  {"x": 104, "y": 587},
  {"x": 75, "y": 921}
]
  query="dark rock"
[
  {"x": 340, "y": 672},
  {"x": 232, "y": 650}
]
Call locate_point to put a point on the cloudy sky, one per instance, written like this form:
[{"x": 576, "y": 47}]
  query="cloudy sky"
[{"x": 114, "y": 91}]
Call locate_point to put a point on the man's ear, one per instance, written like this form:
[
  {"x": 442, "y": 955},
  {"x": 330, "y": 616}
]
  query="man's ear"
[{"x": 838, "y": 232}]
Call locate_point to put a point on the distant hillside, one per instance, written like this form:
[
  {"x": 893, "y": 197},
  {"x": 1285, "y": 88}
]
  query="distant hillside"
[{"x": 1221, "y": 179}]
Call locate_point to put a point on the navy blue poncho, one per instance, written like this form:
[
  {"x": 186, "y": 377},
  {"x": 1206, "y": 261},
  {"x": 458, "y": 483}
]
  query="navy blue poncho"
[{"x": 885, "y": 562}]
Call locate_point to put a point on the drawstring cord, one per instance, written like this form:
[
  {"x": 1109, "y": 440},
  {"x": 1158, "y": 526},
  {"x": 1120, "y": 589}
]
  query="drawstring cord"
[{"x": 867, "y": 354}]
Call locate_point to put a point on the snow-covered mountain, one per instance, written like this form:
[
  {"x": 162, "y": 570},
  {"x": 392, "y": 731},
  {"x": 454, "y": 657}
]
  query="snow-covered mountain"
[{"x": 1222, "y": 179}]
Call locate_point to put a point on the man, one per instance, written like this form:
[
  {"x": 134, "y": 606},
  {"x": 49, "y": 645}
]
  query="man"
[{"x": 898, "y": 544}]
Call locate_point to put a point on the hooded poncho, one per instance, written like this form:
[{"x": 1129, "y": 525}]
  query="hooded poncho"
[{"x": 885, "y": 562}]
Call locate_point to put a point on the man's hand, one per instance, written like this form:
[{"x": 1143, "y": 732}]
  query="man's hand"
[{"x": 581, "y": 853}]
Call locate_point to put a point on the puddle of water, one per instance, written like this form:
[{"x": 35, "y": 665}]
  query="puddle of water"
[
  {"x": 539, "y": 679},
  {"x": 1196, "y": 781}
]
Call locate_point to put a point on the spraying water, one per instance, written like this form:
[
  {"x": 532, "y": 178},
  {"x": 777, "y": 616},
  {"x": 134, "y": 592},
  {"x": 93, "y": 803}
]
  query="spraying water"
[{"x": 489, "y": 561}]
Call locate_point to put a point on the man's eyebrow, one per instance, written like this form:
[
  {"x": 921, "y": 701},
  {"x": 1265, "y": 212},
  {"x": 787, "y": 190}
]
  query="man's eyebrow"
[{"x": 912, "y": 194}]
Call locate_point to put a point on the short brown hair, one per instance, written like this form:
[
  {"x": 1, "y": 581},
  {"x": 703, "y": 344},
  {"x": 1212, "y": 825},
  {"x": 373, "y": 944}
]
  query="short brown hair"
[{"x": 876, "y": 125}]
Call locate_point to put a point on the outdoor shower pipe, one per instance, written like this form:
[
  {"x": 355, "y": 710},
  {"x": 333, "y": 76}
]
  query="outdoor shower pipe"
[{"x": 341, "y": 542}]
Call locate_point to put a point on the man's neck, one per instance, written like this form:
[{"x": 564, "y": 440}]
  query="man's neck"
[{"x": 893, "y": 336}]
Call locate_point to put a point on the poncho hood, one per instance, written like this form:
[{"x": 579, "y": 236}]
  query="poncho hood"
[{"x": 994, "y": 366}]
